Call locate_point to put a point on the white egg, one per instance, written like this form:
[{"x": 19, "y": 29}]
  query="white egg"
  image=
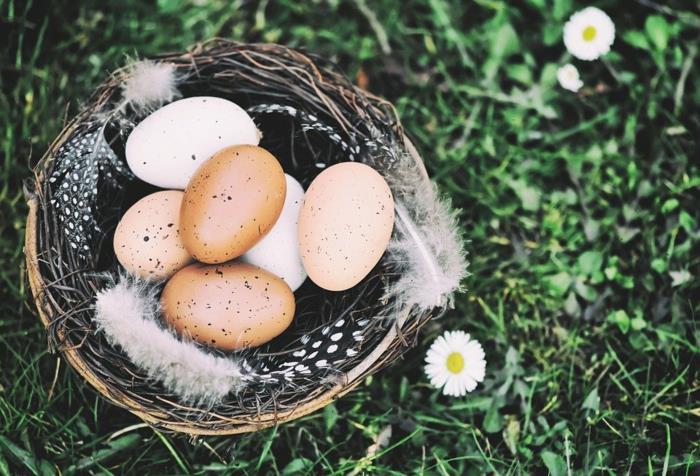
[
  {"x": 278, "y": 252},
  {"x": 166, "y": 147}
]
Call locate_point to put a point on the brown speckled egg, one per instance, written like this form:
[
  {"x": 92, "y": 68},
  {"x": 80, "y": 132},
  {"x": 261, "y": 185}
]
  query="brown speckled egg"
[
  {"x": 228, "y": 306},
  {"x": 147, "y": 239},
  {"x": 345, "y": 225},
  {"x": 231, "y": 202}
]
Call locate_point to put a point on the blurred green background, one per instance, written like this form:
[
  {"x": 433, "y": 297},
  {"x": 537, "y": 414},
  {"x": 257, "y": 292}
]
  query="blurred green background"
[{"x": 581, "y": 212}]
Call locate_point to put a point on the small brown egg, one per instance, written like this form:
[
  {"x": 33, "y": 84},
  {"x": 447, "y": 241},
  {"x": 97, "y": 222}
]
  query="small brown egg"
[
  {"x": 228, "y": 306},
  {"x": 232, "y": 201},
  {"x": 345, "y": 225},
  {"x": 147, "y": 239}
]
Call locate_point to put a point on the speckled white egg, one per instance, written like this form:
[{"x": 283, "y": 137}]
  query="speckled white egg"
[
  {"x": 147, "y": 239},
  {"x": 278, "y": 251},
  {"x": 345, "y": 225},
  {"x": 168, "y": 146}
]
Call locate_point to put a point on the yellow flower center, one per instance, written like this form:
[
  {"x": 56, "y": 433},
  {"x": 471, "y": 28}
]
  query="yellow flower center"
[
  {"x": 455, "y": 362},
  {"x": 589, "y": 33}
]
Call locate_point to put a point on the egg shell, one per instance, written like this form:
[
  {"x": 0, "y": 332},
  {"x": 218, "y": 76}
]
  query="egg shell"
[
  {"x": 228, "y": 306},
  {"x": 278, "y": 251},
  {"x": 147, "y": 239},
  {"x": 166, "y": 147},
  {"x": 232, "y": 201},
  {"x": 345, "y": 225}
]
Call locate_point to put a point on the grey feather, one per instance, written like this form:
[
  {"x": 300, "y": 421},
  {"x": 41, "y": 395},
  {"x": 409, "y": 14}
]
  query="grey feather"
[{"x": 427, "y": 246}]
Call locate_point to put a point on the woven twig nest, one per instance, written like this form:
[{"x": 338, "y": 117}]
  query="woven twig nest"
[{"x": 311, "y": 116}]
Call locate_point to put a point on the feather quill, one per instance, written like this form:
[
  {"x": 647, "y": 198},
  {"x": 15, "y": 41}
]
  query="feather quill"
[{"x": 127, "y": 312}]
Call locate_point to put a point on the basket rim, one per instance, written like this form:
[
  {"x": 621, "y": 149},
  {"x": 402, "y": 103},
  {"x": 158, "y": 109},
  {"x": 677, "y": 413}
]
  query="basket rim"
[{"x": 345, "y": 384}]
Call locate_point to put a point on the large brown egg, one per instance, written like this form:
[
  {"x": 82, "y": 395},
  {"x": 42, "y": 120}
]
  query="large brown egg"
[
  {"x": 147, "y": 239},
  {"x": 231, "y": 202},
  {"x": 228, "y": 306}
]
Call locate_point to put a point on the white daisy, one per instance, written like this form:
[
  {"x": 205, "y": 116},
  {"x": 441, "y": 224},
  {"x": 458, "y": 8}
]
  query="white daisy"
[
  {"x": 589, "y": 34},
  {"x": 568, "y": 78},
  {"x": 456, "y": 363}
]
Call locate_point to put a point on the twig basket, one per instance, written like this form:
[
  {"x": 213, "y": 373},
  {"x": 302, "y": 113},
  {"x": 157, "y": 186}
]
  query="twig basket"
[{"x": 65, "y": 276}]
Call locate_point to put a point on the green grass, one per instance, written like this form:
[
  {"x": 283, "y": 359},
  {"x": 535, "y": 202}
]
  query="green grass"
[{"x": 582, "y": 215}]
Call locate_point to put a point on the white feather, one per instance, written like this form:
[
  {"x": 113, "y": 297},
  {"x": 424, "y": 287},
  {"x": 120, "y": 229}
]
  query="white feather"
[
  {"x": 127, "y": 313},
  {"x": 427, "y": 247},
  {"x": 147, "y": 85},
  {"x": 428, "y": 251}
]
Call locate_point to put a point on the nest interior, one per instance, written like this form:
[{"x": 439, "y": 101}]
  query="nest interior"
[{"x": 311, "y": 117}]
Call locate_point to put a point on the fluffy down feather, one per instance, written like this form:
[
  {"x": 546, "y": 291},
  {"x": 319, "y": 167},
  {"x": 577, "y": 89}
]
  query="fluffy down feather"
[
  {"x": 127, "y": 313},
  {"x": 428, "y": 250},
  {"x": 148, "y": 85},
  {"x": 427, "y": 246}
]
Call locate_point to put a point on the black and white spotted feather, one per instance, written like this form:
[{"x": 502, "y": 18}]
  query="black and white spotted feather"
[
  {"x": 323, "y": 351},
  {"x": 81, "y": 166},
  {"x": 351, "y": 146}
]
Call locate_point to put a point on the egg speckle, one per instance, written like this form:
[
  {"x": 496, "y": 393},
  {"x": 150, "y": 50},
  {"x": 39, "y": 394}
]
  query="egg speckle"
[
  {"x": 147, "y": 239},
  {"x": 228, "y": 306},
  {"x": 345, "y": 225},
  {"x": 231, "y": 203}
]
